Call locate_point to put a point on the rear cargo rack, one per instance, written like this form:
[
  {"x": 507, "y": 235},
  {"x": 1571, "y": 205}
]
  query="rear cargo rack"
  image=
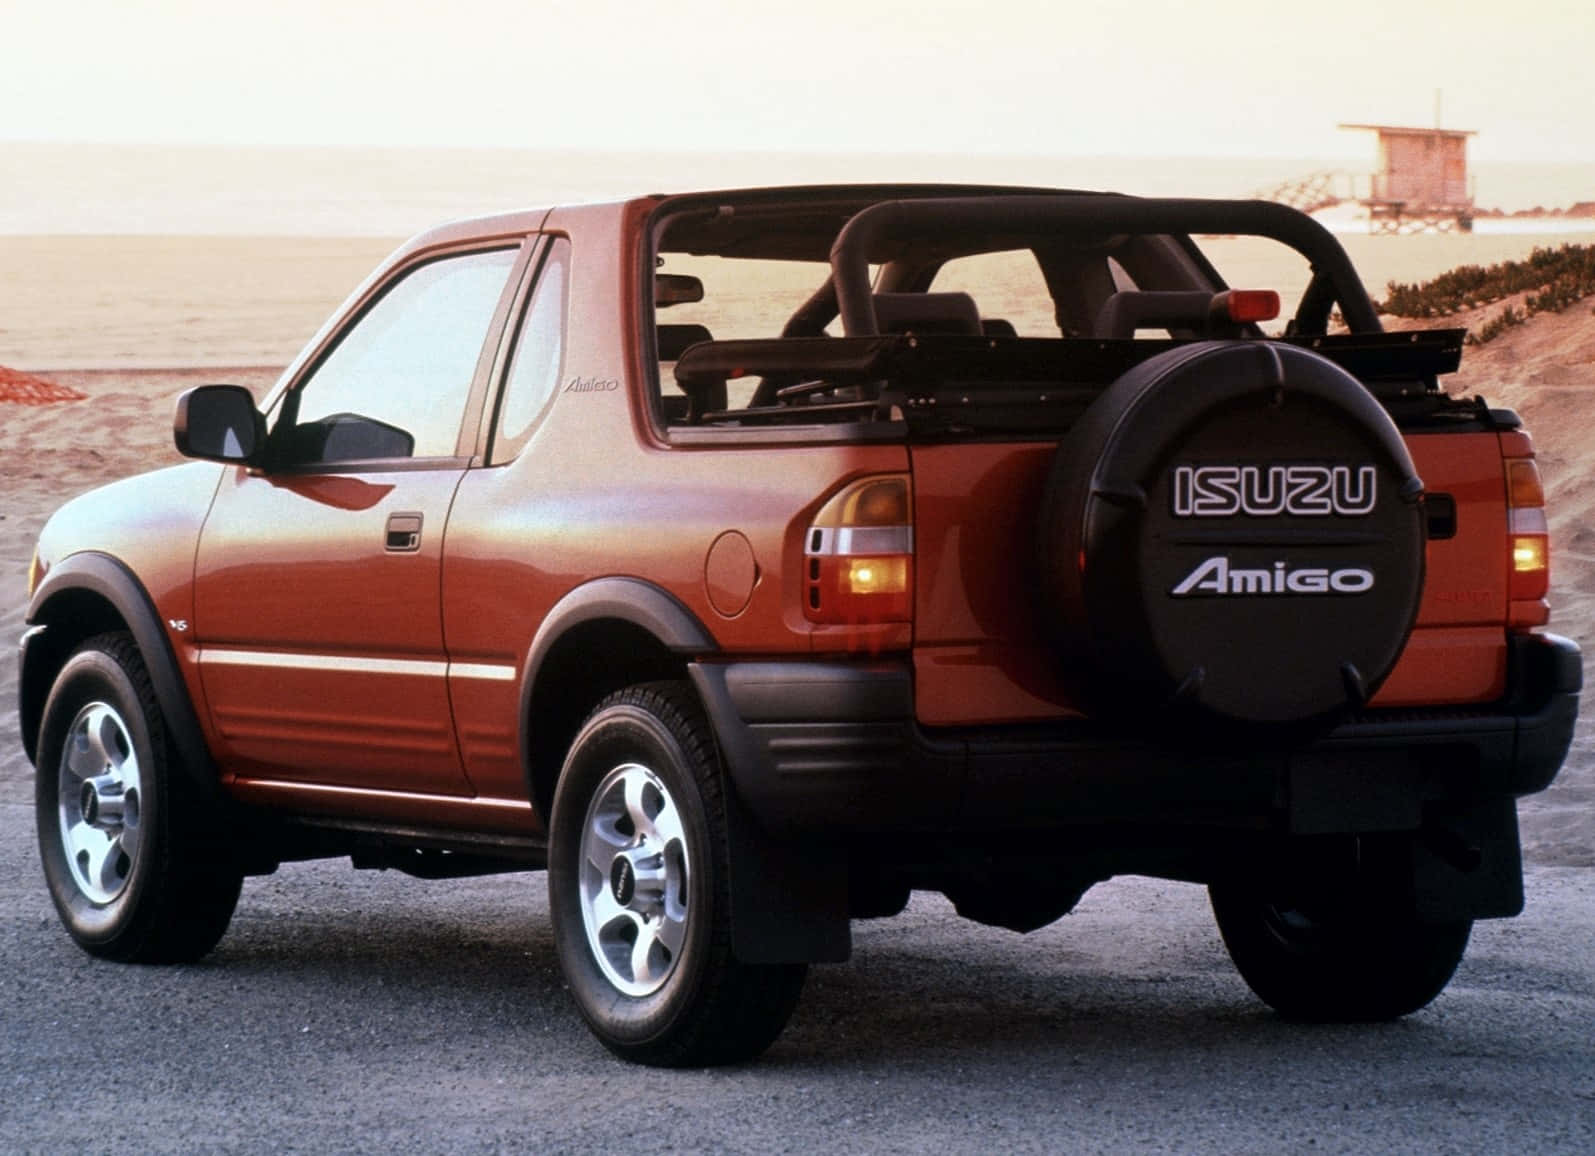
[{"x": 951, "y": 382}]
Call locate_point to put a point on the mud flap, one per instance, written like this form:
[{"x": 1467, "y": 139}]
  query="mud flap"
[
  {"x": 788, "y": 898},
  {"x": 1467, "y": 863}
]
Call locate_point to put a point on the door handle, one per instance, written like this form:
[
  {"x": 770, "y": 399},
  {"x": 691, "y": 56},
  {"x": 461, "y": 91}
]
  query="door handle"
[{"x": 404, "y": 533}]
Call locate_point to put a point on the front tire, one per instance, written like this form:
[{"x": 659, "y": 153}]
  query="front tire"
[
  {"x": 639, "y": 890},
  {"x": 1335, "y": 959},
  {"x": 132, "y": 860}
]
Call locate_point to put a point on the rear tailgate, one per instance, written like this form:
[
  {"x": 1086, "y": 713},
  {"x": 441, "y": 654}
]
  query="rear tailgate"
[
  {"x": 1457, "y": 651},
  {"x": 981, "y": 654}
]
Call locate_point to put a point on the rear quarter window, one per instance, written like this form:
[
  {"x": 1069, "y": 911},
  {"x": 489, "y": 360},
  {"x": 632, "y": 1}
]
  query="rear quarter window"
[{"x": 539, "y": 355}]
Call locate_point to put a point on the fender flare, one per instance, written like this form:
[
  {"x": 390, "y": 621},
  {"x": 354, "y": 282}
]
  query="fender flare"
[
  {"x": 650, "y": 607},
  {"x": 111, "y": 580},
  {"x": 642, "y": 604}
]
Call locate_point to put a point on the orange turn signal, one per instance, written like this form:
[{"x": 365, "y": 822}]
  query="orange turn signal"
[
  {"x": 1528, "y": 538},
  {"x": 1523, "y": 485},
  {"x": 1528, "y": 554},
  {"x": 858, "y": 554},
  {"x": 876, "y": 576}
]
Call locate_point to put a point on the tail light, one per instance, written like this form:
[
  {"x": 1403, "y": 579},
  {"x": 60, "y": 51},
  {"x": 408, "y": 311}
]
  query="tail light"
[
  {"x": 1529, "y": 543},
  {"x": 858, "y": 554}
]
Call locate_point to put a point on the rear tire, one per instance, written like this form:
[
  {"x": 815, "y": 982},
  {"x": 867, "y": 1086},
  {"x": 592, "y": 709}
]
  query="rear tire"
[
  {"x": 1336, "y": 961},
  {"x": 639, "y": 890},
  {"x": 135, "y": 863}
]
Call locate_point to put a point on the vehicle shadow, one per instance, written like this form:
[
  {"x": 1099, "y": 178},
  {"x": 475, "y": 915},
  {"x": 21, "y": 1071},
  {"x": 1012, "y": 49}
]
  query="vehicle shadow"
[
  {"x": 1110, "y": 986},
  {"x": 383, "y": 1009},
  {"x": 1136, "y": 980}
]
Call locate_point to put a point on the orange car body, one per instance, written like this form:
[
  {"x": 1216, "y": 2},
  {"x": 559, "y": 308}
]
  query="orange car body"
[{"x": 400, "y": 649}]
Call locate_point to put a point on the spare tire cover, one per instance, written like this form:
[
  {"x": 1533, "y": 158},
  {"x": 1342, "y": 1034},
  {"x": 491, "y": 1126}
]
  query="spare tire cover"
[{"x": 1233, "y": 530}]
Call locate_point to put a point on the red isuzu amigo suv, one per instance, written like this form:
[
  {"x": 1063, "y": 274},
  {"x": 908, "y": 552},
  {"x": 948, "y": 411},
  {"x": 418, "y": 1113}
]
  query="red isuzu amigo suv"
[{"x": 750, "y": 559}]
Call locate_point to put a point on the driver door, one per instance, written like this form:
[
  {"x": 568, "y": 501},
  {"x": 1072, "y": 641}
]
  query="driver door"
[{"x": 318, "y": 582}]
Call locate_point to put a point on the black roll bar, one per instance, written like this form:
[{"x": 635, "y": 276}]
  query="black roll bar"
[{"x": 874, "y": 229}]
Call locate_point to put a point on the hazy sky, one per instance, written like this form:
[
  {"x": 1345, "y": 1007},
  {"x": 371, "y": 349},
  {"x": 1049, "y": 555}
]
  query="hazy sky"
[{"x": 1137, "y": 77}]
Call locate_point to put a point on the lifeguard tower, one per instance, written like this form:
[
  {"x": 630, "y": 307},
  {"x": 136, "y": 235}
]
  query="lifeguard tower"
[{"x": 1422, "y": 183}]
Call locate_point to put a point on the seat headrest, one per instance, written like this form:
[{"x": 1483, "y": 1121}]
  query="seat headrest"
[
  {"x": 674, "y": 340},
  {"x": 927, "y": 313}
]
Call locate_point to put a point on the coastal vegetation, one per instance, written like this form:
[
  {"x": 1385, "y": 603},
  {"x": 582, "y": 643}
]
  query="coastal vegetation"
[{"x": 1547, "y": 281}]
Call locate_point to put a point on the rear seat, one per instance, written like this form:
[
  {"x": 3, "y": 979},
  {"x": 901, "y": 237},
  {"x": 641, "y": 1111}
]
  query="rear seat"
[
  {"x": 673, "y": 341},
  {"x": 927, "y": 313}
]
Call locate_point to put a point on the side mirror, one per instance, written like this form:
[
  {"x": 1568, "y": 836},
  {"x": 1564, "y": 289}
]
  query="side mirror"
[{"x": 219, "y": 423}]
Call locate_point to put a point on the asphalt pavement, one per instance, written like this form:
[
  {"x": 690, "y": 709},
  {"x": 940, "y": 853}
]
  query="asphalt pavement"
[{"x": 355, "y": 1011}]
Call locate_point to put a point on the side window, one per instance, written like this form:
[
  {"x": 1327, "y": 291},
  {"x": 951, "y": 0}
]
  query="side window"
[
  {"x": 536, "y": 365},
  {"x": 396, "y": 385}
]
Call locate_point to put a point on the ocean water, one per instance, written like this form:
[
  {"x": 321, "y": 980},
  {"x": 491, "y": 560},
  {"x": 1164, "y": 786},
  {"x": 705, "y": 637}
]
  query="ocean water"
[
  {"x": 128, "y": 257},
  {"x": 165, "y": 190}
]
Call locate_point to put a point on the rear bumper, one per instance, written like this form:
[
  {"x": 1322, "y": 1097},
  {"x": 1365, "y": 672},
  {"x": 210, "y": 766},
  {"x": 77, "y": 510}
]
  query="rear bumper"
[{"x": 834, "y": 748}]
